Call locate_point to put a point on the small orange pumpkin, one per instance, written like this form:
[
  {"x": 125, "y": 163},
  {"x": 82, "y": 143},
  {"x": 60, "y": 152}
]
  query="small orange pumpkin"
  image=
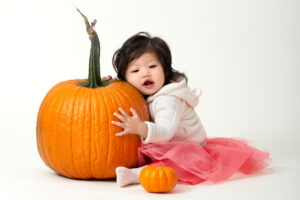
[
  {"x": 75, "y": 136},
  {"x": 158, "y": 179}
]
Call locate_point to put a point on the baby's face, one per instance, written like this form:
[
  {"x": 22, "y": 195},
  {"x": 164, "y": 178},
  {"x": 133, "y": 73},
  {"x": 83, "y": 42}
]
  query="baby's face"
[{"x": 146, "y": 73}]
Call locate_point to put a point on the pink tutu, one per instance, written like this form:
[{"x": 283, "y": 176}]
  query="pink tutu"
[{"x": 216, "y": 161}]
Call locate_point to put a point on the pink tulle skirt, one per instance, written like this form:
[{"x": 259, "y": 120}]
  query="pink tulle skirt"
[{"x": 216, "y": 161}]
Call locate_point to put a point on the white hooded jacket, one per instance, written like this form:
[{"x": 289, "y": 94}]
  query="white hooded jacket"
[{"x": 173, "y": 116}]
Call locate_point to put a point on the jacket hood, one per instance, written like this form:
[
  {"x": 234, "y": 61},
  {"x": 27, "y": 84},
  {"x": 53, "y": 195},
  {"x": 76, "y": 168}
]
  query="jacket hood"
[{"x": 179, "y": 89}]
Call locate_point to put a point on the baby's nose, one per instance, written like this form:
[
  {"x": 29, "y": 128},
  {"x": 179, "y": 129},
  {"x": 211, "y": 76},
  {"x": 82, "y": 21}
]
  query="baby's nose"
[{"x": 146, "y": 72}]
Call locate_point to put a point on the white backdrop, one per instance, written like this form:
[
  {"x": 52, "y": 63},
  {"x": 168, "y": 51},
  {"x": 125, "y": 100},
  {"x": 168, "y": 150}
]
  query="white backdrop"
[{"x": 243, "y": 54}]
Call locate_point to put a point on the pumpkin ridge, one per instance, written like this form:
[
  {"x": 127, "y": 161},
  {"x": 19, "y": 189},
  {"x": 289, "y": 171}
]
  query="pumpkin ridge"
[
  {"x": 109, "y": 137},
  {"x": 66, "y": 102},
  {"x": 93, "y": 130},
  {"x": 154, "y": 179},
  {"x": 70, "y": 100},
  {"x": 71, "y": 126},
  {"x": 97, "y": 141},
  {"x": 49, "y": 137},
  {"x": 105, "y": 141},
  {"x": 92, "y": 138},
  {"x": 89, "y": 111},
  {"x": 86, "y": 153},
  {"x": 72, "y": 93},
  {"x": 53, "y": 141},
  {"x": 113, "y": 101},
  {"x": 162, "y": 179},
  {"x": 101, "y": 141},
  {"x": 89, "y": 159},
  {"x": 171, "y": 173}
]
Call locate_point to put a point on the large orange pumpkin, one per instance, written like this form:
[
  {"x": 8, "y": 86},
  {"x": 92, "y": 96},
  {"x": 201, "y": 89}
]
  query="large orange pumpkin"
[
  {"x": 158, "y": 179},
  {"x": 75, "y": 135}
]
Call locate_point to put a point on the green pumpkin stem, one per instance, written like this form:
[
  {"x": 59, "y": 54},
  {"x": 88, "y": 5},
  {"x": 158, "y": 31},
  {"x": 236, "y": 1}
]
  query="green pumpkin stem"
[{"x": 94, "y": 79}]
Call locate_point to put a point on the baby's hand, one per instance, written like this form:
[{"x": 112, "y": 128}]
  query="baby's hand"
[
  {"x": 108, "y": 78},
  {"x": 131, "y": 125}
]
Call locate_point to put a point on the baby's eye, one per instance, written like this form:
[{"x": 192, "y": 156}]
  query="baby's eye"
[
  {"x": 135, "y": 71},
  {"x": 152, "y": 66}
]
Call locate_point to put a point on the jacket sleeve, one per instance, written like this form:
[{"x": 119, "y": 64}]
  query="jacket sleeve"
[{"x": 167, "y": 114}]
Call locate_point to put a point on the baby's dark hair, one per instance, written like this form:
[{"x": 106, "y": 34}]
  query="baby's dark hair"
[{"x": 138, "y": 44}]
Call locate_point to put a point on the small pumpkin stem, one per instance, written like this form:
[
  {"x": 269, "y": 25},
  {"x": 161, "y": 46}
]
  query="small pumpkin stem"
[{"x": 94, "y": 79}]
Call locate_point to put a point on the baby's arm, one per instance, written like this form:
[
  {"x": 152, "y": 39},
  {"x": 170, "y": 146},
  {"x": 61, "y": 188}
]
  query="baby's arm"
[{"x": 167, "y": 115}]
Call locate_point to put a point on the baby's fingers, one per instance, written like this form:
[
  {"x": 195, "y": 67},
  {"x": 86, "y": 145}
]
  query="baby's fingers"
[
  {"x": 106, "y": 78},
  {"x": 119, "y": 116},
  {"x": 133, "y": 112},
  {"x": 118, "y": 124},
  {"x": 121, "y": 133},
  {"x": 123, "y": 113}
]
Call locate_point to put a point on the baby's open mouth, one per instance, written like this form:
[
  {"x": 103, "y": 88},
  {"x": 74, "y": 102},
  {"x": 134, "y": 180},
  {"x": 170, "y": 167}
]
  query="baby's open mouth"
[{"x": 148, "y": 83}]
